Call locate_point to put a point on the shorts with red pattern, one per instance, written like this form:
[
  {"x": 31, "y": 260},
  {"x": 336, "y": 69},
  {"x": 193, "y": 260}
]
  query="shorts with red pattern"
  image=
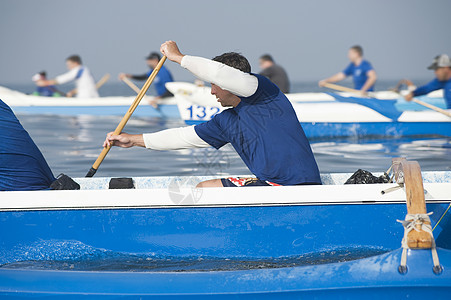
[{"x": 245, "y": 181}]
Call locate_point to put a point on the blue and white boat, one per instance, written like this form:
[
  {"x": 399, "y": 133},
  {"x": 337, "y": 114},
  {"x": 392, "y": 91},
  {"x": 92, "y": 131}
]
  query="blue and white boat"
[
  {"x": 321, "y": 115},
  {"x": 166, "y": 239},
  {"x": 21, "y": 103},
  {"x": 339, "y": 115}
]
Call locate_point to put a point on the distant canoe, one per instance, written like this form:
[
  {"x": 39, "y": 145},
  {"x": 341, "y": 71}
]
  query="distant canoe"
[
  {"x": 21, "y": 103},
  {"x": 322, "y": 116}
]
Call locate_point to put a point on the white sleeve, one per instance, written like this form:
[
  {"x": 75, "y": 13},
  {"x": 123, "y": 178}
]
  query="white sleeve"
[
  {"x": 66, "y": 77},
  {"x": 174, "y": 139},
  {"x": 233, "y": 80}
]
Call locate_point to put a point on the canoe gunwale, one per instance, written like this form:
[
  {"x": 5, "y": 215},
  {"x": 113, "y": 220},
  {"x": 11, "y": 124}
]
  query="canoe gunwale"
[{"x": 162, "y": 198}]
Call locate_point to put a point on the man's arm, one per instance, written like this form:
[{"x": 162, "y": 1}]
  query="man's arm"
[
  {"x": 372, "y": 77},
  {"x": 335, "y": 78},
  {"x": 233, "y": 80},
  {"x": 63, "y": 78},
  {"x": 425, "y": 89},
  {"x": 139, "y": 77},
  {"x": 135, "y": 77},
  {"x": 169, "y": 139},
  {"x": 67, "y": 77},
  {"x": 46, "y": 82}
]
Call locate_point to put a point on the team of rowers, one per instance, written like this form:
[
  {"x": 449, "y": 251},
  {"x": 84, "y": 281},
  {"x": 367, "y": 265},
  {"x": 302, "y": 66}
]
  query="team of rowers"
[
  {"x": 363, "y": 74},
  {"x": 259, "y": 122}
]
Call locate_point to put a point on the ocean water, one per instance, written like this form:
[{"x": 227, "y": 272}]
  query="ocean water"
[{"x": 72, "y": 144}]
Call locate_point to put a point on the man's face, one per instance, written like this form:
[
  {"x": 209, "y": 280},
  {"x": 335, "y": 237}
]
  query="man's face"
[
  {"x": 353, "y": 55},
  {"x": 152, "y": 63},
  {"x": 264, "y": 64},
  {"x": 224, "y": 97},
  {"x": 442, "y": 73},
  {"x": 70, "y": 64}
]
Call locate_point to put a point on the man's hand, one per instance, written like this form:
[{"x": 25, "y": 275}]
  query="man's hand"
[
  {"x": 363, "y": 93},
  {"x": 321, "y": 83},
  {"x": 124, "y": 140},
  {"x": 154, "y": 102},
  {"x": 70, "y": 94},
  {"x": 41, "y": 82},
  {"x": 408, "y": 97},
  {"x": 171, "y": 51},
  {"x": 123, "y": 75}
]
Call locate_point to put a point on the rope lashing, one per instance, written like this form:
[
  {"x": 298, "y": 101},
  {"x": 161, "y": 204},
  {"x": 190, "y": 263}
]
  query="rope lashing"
[
  {"x": 392, "y": 189},
  {"x": 417, "y": 222},
  {"x": 400, "y": 183}
]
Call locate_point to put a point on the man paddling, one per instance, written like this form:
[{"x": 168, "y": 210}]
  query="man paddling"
[
  {"x": 442, "y": 69},
  {"x": 45, "y": 91},
  {"x": 85, "y": 84},
  {"x": 163, "y": 77},
  {"x": 261, "y": 124},
  {"x": 361, "y": 70}
]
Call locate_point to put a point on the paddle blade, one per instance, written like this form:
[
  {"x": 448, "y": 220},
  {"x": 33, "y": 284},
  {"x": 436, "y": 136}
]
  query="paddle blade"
[
  {"x": 384, "y": 107},
  {"x": 91, "y": 172}
]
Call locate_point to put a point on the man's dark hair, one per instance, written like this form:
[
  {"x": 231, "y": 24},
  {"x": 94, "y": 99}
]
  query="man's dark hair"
[
  {"x": 153, "y": 55},
  {"x": 358, "y": 49},
  {"x": 75, "y": 59},
  {"x": 234, "y": 60},
  {"x": 43, "y": 73},
  {"x": 266, "y": 57}
]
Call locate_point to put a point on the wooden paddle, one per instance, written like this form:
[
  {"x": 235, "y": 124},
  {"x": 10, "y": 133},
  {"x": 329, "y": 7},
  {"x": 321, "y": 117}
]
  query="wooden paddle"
[
  {"x": 102, "y": 81},
  {"x": 433, "y": 107},
  {"x": 127, "y": 116},
  {"x": 341, "y": 88},
  {"x": 131, "y": 84},
  {"x": 99, "y": 83},
  {"x": 136, "y": 89},
  {"x": 346, "y": 89}
]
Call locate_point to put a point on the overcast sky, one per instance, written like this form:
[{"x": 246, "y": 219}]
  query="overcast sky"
[{"x": 309, "y": 38}]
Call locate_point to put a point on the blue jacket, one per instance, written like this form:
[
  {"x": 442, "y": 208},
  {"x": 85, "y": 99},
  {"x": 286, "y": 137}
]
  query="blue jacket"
[
  {"x": 22, "y": 166},
  {"x": 266, "y": 133}
]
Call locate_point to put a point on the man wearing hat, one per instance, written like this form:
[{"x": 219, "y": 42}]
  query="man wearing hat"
[
  {"x": 160, "y": 80},
  {"x": 442, "y": 69}
]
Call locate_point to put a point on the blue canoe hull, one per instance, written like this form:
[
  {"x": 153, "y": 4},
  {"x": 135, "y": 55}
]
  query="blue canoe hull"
[
  {"x": 396, "y": 129},
  {"x": 222, "y": 233}
]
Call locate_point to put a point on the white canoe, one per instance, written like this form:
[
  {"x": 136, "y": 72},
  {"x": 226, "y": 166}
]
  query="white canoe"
[{"x": 21, "y": 103}]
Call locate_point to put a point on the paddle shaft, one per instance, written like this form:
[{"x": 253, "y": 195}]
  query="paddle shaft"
[
  {"x": 433, "y": 107},
  {"x": 131, "y": 84},
  {"x": 127, "y": 116},
  {"x": 340, "y": 88},
  {"x": 102, "y": 81}
]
